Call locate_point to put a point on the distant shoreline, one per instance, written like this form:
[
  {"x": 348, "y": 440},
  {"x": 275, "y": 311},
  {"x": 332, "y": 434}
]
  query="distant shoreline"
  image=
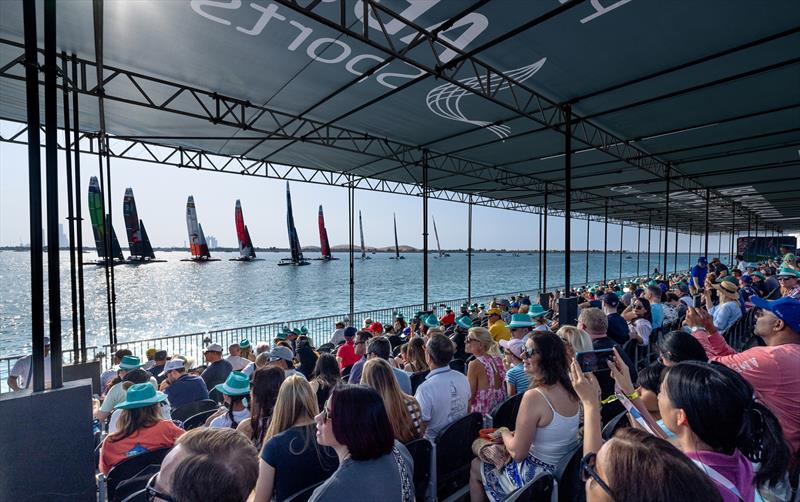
[{"x": 344, "y": 249}]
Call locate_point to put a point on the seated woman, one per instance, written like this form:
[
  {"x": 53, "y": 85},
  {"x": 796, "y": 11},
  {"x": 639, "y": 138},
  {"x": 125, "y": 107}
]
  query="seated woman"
[
  {"x": 415, "y": 356},
  {"x": 263, "y": 394},
  {"x": 235, "y": 389},
  {"x": 486, "y": 373},
  {"x": 306, "y": 355},
  {"x": 140, "y": 428},
  {"x": 403, "y": 410},
  {"x": 372, "y": 464},
  {"x": 640, "y": 320},
  {"x": 546, "y": 428},
  {"x": 291, "y": 459},
  {"x": 677, "y": 346},
  {"x": 575, "y": 340},
  {"x": 326, "y": 376}
]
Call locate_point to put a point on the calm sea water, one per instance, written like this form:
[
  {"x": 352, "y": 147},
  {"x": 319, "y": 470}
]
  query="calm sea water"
[{"x": 178, "y": 297}]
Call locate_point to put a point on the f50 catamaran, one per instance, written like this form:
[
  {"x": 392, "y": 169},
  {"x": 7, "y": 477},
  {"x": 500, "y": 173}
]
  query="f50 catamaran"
[
  {"x": 197, "y": 239},
  {"x": 396, "y": 245},
  {"x": 324, "y": 244},
  {"x": 438, "y": 247},
  {"x": 246, "y": 250},
  {"x": 294, "y": 242},
  {"x": 138, "y": 242},
  {"x": 361, "y": 229},
  {"x": 100, "y": 224}
]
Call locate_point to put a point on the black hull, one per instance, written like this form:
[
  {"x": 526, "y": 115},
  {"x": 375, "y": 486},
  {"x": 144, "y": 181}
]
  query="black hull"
[
  {"x": 137, "y": 262},
  {"x": 287, "y": 263},
  {"x": 245, "y": 259},
  {"x": 324, "y": 259},
  {"x": 201, "y": 260},
  {"x": 102, "y": 263}
]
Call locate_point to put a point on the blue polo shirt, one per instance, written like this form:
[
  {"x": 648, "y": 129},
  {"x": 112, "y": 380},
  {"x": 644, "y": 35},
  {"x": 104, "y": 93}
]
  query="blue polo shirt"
[
  {"x": 186, "y": 389},
  {"x": 700, "y": 273}
]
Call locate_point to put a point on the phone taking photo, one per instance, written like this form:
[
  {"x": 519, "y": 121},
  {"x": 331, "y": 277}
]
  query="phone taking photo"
[{"x": 594, "y": 361}]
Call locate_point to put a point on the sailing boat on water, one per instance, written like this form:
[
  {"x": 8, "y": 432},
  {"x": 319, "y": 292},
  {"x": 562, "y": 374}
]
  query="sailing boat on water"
[
  {"x": 246, "y": 250},
  {"x": 436, "y": 233},
  {"x": 138, "y": 242},
  {"x": 361, "y": 229},
  {"x": 294, "y": 242},
  {"x": 197, "y": 239},
  {"x": 324, "y": 244},
  {"x": 396, "y": 246},
  {"x": 100, "y": 224}
]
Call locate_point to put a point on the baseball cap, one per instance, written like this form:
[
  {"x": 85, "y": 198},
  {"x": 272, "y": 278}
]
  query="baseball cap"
[
  {"x": 611, "y": 299},
  {"x": 376, "y": 327},
  {"x": 515, "y": 346},
  {"x": 280, "y": 352},
  {"x": 350, "y": 331},
  {"x": 702, "y": 259},
  {"x": 786, "y": 309},
  {"x": 160, "y": 354},
  {"x": 174, "y": 364},
  {"x": 214, "y": 347}
]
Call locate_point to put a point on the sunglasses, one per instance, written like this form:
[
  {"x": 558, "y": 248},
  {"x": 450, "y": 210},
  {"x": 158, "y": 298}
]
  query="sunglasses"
[
  {"x": 469, "y": 339},
  {"x": 786, "y": 278},
  {"x": 638, "y": 306},
  {"x": 589, "y": 470},
  {"x": 528, "y": 352},
  {"x": 151, "y": 493}
]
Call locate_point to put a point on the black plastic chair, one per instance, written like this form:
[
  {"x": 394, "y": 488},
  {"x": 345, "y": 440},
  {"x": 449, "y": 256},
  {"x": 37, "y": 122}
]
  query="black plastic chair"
[
  {"x": 540, "y": 489},
  {"x": 459, "y": 365},
  {"x": 184, "y": 411},
  {"x": 454, "y": 454},
  {"x": 614, "y": 424},
  {"x": 303, "y": 495},
  {"x": 326, "y": 347},
  {"x": 505, "y": 413},
  {"x": 132, "y": 466},
  {"x": 420, "y": 450},
  {"x": 571, "y": 487},
  {"x": 216, "y": 396},
  {"x": 197, "y": 420},
  {"x": 417, "y": 379}
]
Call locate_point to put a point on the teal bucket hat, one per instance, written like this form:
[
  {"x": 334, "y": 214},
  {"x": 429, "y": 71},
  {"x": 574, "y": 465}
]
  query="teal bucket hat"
[
  {"x": 787, "y": 272},
  {"x": 141, "y": 395},
  {"x": 282, "y": 333},
  {"x": 244, "y": 344},
  {"x": 537, "y": 310},
  {"x": 237, "y": 384},
  {"x": 431, "y": 321},
  {"x": 130, "y": 363},
  {"x": 521, "y": 321},
  {"x": 464, "y": 321}
]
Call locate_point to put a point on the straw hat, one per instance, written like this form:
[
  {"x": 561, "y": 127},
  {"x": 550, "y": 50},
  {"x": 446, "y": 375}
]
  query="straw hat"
[{"x": 727, "y": 289}]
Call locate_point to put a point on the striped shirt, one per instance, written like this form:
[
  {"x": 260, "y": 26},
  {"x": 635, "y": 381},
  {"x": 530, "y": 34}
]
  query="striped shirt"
[{"x": 518, "y": 378}]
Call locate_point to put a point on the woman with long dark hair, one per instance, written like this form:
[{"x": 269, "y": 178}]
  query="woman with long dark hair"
[
  {"x": 326, "y": 376},
  {"x": 306, "y": 355},
  {"x": 266, "y": 382},
  {"x": 640, "y": 320},
  {"x": 372, "y": 464},
  {"x": 546, "y": 427},
  {"x": 677, "y": 346}
]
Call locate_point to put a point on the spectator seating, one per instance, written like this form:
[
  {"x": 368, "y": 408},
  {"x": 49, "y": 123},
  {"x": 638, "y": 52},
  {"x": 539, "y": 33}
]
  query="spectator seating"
[
  {"x": 303, "y": 495},
  {"x": 505, "y": 413},
  {"x": 187, "y": 410},
  {"x": 420, "y": 450},
  {"x": 216, "y": 396},
  {"x": 346, "y": 371},
  {"x": 538, "y": 489},
  {"x": 326, "y": 347},
  {"x": 417, "y": 379},
  {"x": 570, "y": 485},
  {"x": 132, "y": 467},
  {"x": 615, "y": 423},
  {"x": 454, "y": 454},
  {"x": 740, "y": 334},
  {"x": 459, "y": 365},
  {"x": 197, "y": 420}
]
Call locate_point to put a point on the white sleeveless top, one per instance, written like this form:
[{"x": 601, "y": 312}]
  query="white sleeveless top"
[{"x": 555, "y": 439}]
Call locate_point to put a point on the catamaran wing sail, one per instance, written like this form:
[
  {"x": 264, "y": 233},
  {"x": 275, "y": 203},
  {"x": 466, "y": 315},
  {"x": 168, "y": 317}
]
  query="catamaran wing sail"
[
  {"x": 96, "y": 215},
  {"x": 245, "y": 246},
  {"x": 251, "y": 250},
  {"x": 361, "y": 228},
  {"x": 147, "y": 248},
  {"x": 324, "y": 245},
  {"x": 396, "y": 245},
  {"x": 116, "y": 250},
  {"x": 294, "y": 241},
  {"x": 203, "y": 245},
  {"x": 436, "y": 233},
  {"x": 197, "y": 241},
  {"x": 132, "y": 223}
]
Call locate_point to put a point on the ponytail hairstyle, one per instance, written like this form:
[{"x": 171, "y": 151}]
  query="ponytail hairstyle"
[
  {"x": 229, "y": 413},
  {"x": 677, "y": 346},
  {"x": 723, "y": 412}
]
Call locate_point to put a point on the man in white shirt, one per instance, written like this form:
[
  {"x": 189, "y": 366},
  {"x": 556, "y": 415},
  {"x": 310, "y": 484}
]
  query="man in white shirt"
[
  {"x": 338, "y": 334},
  {"x": 21, "y": 376},
  {"x": 444, "y": 395},
  {"x": 237, "y": 361}
]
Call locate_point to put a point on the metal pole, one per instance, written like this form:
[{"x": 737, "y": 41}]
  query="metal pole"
[
  {"x": 605, "y": 245},
  {"x": 110, "y": 235},
  {"x": 567, "y": 197},
  {"x": 708, "y": 199},
  {"x": 675, "y": 260},
  {"x": 78, "y": 217},
  {"x": 70, "y": 215},
  {"x": 51, "y": 170},
  {"x": 588, "y": 224},
  {"x": 544, "y": 242},
  {"x": 649, "y": 241},
  {"x": 469, "y": 251},
  {"x": 666, "y": 225},
  {"x": 733, "y": 233},
  {"x": 690, "y": 246},
  {"x": 621, "y": 234},
  {"x": 540, "y": 251},
  {"x": 34, "y": 195},
  {"x": 351, "y": 237},
  {"x": 658, "y": 250},
  {"x": 425, "y": 229},
  {"x": 107, "y": 258},
  {"x": 638, "y": 250}
]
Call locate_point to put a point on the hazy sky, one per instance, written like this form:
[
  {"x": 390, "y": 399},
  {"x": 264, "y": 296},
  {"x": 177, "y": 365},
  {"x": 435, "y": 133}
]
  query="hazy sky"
[{"x": 161, "y": 193}]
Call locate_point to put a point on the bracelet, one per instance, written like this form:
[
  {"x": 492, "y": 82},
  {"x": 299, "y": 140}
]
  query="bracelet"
[{"x": 613, "y": 397}]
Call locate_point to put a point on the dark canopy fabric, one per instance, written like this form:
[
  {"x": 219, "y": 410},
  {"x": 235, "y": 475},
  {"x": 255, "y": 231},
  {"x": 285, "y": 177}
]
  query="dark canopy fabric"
[{"x": 473, "y": 89}]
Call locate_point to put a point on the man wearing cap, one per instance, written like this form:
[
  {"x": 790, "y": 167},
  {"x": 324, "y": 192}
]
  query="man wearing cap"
[
  {"x": 376, "y": 328},
  {"x": 448, "y": 318},
  {"x": 159, "y": 361},
  {"x": 111, "y": 373},
  {"x": 283, "y": 358},
  {"x": 346, "y": 354},
  {"x": 116, "y": 394},
  {"x": 617, "y": 326},
  {"x": 788, "y": 279},
  {"x": 516, "y": 379},
  {"x": 337, "y": 336},
  {"x": 698, "y": 274},
  {"x": 218, "y": 368},
  {"x": 381, "y": 348},
  {"x": 520, "y": 326},
  {"x": 459, "y": 337},
  {"x": 21, "y": 375},
  {"x": 773, "y": 370},
  {"x": 182, "y": 387},
  {"x": 238, "y": 363},
  {"x": 497, "y": 327}
]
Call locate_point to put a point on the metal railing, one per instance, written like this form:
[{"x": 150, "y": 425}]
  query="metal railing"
[{"x": 7, "y": 363}]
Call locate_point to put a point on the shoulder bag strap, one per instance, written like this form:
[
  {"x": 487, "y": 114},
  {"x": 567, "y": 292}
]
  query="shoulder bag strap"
[
  {"x": 718, "y": 478},
  {"x": 405, "y": 481}
]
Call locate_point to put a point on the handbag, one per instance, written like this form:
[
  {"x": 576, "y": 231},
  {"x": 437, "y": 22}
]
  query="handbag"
[{"x": 492, "y": 451}]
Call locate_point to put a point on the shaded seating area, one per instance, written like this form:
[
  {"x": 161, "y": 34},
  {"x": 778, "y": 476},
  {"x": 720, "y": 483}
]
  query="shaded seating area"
[
  {"x": 134, "y": 472},
  {"x": 454, "y": 454}
]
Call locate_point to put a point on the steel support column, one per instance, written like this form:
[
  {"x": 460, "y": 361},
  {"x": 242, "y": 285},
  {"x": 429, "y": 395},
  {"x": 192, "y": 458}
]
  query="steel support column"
[
  {"x": 690, "y": 246},
  {"x": 675, "y": 257},
  {"x": 425, "y": 229},
  {"x": 541, "y": 288},
  {"x": 588, "y": 224},
  {"x": 649, "y": 241},
  {"x": 733, "y": 235},
  {"x": 621, "y": 235},
  {"x": 638, "y": 250},
  {"x": 567, "y": 197},
  {"x": 70, "y": 213},
  {"x": 34, "y": 195},
  {"x": 708, "y": 200},
  {"x": 351, "y": 193},
  {"x": 469, "y": 252},
  {"x": 78, "y": 217},
  {"x": 666, "y": 223},
  {"x": 544, "y": 241},
  {"x": 605, "y": 245}
]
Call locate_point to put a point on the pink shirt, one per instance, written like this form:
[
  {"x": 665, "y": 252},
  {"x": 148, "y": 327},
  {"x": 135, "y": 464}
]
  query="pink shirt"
[
  {"x": 736, "y": 468},
  {"x": 774, "y": 373}
]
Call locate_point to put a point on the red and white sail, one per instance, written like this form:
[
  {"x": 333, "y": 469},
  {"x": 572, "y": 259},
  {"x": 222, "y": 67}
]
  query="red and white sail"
[
  {"x": 325, "y": 247},
  {"x": 246, "y": 249},
  {"x": 197, "y": 239}
]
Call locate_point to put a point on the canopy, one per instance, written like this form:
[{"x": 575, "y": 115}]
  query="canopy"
[{"x": 484, "y": 94}]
